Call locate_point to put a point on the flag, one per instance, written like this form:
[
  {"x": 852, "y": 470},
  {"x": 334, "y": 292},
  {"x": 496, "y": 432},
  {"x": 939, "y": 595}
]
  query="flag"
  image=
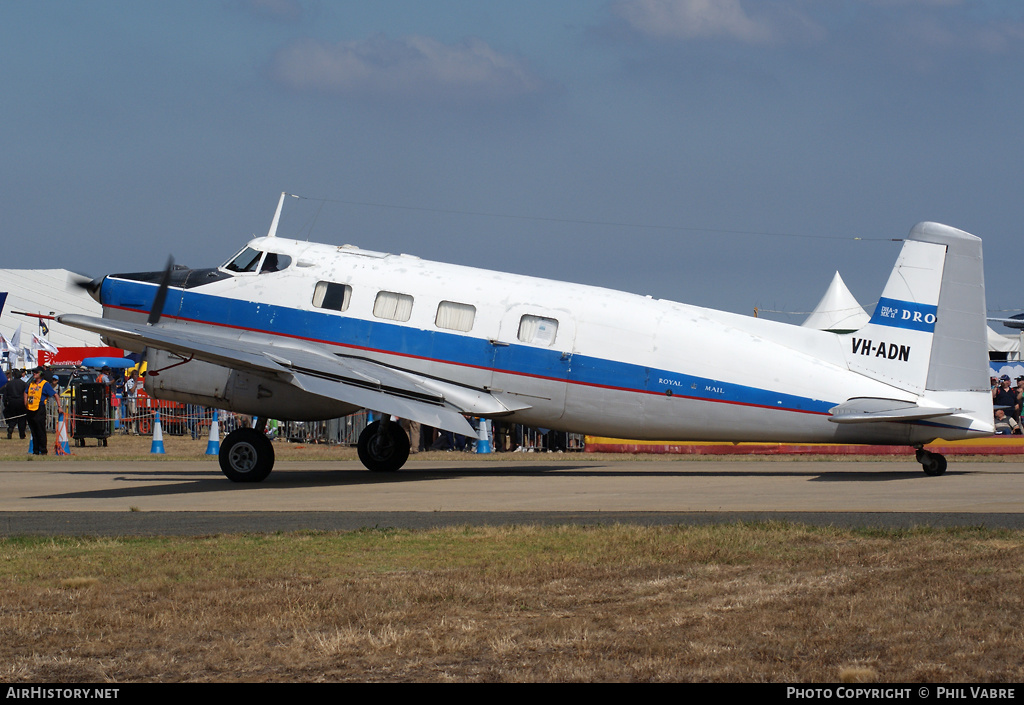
[
  {"x": 43, "y": 344},
  {"x": 24, "y": 352}
]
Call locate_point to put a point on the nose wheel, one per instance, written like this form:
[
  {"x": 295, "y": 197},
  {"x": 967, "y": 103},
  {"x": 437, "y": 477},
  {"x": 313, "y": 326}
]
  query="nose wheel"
[{"x": 933, "y": 464}]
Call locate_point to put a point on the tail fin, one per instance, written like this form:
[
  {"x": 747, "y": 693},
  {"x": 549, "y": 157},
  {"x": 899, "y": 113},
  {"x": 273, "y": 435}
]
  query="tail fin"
[{"x": 928, "y": 331}]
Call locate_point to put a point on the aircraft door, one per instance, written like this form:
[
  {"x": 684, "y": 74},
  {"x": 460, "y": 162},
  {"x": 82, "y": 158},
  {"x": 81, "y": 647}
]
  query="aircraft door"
[{"x": 533, "y": 358}]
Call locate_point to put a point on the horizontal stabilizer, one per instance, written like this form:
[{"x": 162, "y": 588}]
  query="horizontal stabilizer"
[{"x": 875, "y": 410}]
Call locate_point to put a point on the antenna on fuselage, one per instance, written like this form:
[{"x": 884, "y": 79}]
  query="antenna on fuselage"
[{"x": 277, "y": 214}]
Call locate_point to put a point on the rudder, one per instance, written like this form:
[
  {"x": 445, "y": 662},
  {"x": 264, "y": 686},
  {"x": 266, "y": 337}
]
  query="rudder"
[{"x": 928, "y": 331}]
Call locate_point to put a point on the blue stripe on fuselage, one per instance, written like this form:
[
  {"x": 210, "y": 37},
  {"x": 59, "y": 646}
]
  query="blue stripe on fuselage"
[{"x": 443, "y": 347}]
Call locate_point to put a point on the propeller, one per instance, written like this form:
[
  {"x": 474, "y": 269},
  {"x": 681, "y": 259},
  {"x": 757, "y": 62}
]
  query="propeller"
[
  {"x": 161, "y": 294},
  {"x": 157, "y": 309},
  {"x": 89, "y": 284}
]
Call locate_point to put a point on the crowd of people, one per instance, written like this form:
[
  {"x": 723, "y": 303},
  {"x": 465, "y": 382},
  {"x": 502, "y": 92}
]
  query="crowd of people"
[
  {"x": 25, "y": 395},
  {"x": 125, "y": 414},
  {"x": 1007, "y": 400},
  {"x": 504, "y": 437}
]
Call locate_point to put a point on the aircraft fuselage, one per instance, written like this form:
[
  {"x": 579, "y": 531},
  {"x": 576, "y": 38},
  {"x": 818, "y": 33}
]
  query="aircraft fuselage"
[{"x": 559, "y": 355}]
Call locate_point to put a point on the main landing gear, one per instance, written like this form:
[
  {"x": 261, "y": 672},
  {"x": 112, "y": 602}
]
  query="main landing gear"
[
  {"x": 932, "y": 463},
  {"x": 383, "y": 446},
  {"x": 246, "y": 455}
]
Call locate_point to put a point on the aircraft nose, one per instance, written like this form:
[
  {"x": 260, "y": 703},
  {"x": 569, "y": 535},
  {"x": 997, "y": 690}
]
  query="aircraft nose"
[{"x": 93, "y": 286}]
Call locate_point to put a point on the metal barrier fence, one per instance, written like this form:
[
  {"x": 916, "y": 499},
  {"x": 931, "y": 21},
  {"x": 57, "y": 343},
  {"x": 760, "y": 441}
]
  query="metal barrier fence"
[{"x": 194, "y": 420}]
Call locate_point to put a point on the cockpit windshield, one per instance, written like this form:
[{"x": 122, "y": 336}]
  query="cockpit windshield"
[{"x": 248, "y": 260}]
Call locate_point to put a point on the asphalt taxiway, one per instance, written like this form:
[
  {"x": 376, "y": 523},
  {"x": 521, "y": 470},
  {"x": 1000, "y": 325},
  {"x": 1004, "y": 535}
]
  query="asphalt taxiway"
[{"x": 188, "y": 497}]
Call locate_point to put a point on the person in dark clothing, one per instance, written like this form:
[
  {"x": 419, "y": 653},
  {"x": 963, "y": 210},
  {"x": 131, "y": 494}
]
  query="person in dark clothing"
[
  {"x": 3, "y": 387},
  {"x": 14, "y": 404},
  {"x": 36, "y": 394},
  {"x": 1005, "y": 397}
]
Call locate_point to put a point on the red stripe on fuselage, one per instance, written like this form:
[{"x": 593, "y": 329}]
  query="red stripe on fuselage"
[{"x": 594, "y": 385}]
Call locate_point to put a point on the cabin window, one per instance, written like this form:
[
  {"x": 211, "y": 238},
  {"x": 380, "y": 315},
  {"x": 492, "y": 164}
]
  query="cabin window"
[
  {"x": 455, "y": 316},
  {"x": 392, "y": 306},
  {"x": 274, "y": 262},
  {"x": 333, "y": 296},
  {"x": 248, "y": 260},
  {"x": 537, "y": 330}
]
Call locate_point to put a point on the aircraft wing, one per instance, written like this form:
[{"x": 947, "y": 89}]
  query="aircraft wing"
[
  {"x": 874, "y": 410},
  {"x": 353, "y": 380}
]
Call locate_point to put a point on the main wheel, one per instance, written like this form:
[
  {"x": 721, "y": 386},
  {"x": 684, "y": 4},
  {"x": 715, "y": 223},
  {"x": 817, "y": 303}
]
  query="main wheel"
[
  {"x": 246, "y": 455},
  {"x": 383, "y": 451},
  {"x": 933, "y": 464}
]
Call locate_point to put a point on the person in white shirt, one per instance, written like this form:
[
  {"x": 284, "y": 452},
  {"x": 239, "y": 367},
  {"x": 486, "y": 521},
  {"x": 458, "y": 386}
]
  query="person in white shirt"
[{"x": 131, "y": 396}]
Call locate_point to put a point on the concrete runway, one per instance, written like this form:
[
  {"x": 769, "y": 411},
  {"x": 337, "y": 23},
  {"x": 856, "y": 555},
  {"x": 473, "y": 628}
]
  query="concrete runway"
[{"x": 180, "y": 497}]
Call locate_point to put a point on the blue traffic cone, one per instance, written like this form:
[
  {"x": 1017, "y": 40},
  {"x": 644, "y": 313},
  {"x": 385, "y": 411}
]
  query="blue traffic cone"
[
  {"x": 213, "y": 445},
  {"x": 61, "y": 446},
  {"x": 483, "y": 443},
  {"x": 158, "y": 436}
]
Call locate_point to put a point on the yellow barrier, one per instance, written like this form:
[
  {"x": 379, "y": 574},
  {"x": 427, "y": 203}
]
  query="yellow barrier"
[{"x": 994, "y": 445}]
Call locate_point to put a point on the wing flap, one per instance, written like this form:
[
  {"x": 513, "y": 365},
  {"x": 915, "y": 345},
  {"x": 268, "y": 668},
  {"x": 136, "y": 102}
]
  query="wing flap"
[{"x": 438, "y": 415}]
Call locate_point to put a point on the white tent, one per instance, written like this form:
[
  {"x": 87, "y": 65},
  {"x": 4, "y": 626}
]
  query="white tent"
[
  {"x": 45, "y": 291},
  {"x": 837, "y": 311},
  {"x": 1003, "y": 343}
]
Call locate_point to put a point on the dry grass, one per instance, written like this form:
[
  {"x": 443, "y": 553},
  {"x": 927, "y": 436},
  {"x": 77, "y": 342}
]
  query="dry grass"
[
  {"x": 727, "y": 603},
  {"x": 723, "y": 603}
]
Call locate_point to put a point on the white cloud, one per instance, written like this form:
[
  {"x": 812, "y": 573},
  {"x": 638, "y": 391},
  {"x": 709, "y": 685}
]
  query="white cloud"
[
  {"x": 692, "y": 19},
  {"x": 767, "y": 23},
  {"x": 410, "y": 67}
]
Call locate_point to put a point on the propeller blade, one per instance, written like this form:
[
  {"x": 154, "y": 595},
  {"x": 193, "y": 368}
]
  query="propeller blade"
[
  {"x": 90, "y": 285},
  {"x": 161, "y": 294}
]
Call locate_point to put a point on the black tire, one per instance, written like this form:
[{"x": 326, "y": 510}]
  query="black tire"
[
  {"x": 933, "y": 464},
  {"x": 385, "y": 452},
  {"x": 246, "y": 455}
]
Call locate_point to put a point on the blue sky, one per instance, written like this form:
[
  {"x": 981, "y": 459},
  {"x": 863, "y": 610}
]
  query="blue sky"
[{"x": 724, "y": 153}]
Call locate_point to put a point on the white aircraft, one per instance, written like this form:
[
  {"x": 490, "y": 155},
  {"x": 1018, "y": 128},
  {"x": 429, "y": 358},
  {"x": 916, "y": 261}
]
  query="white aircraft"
[{"x": 302, "y": 331}]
